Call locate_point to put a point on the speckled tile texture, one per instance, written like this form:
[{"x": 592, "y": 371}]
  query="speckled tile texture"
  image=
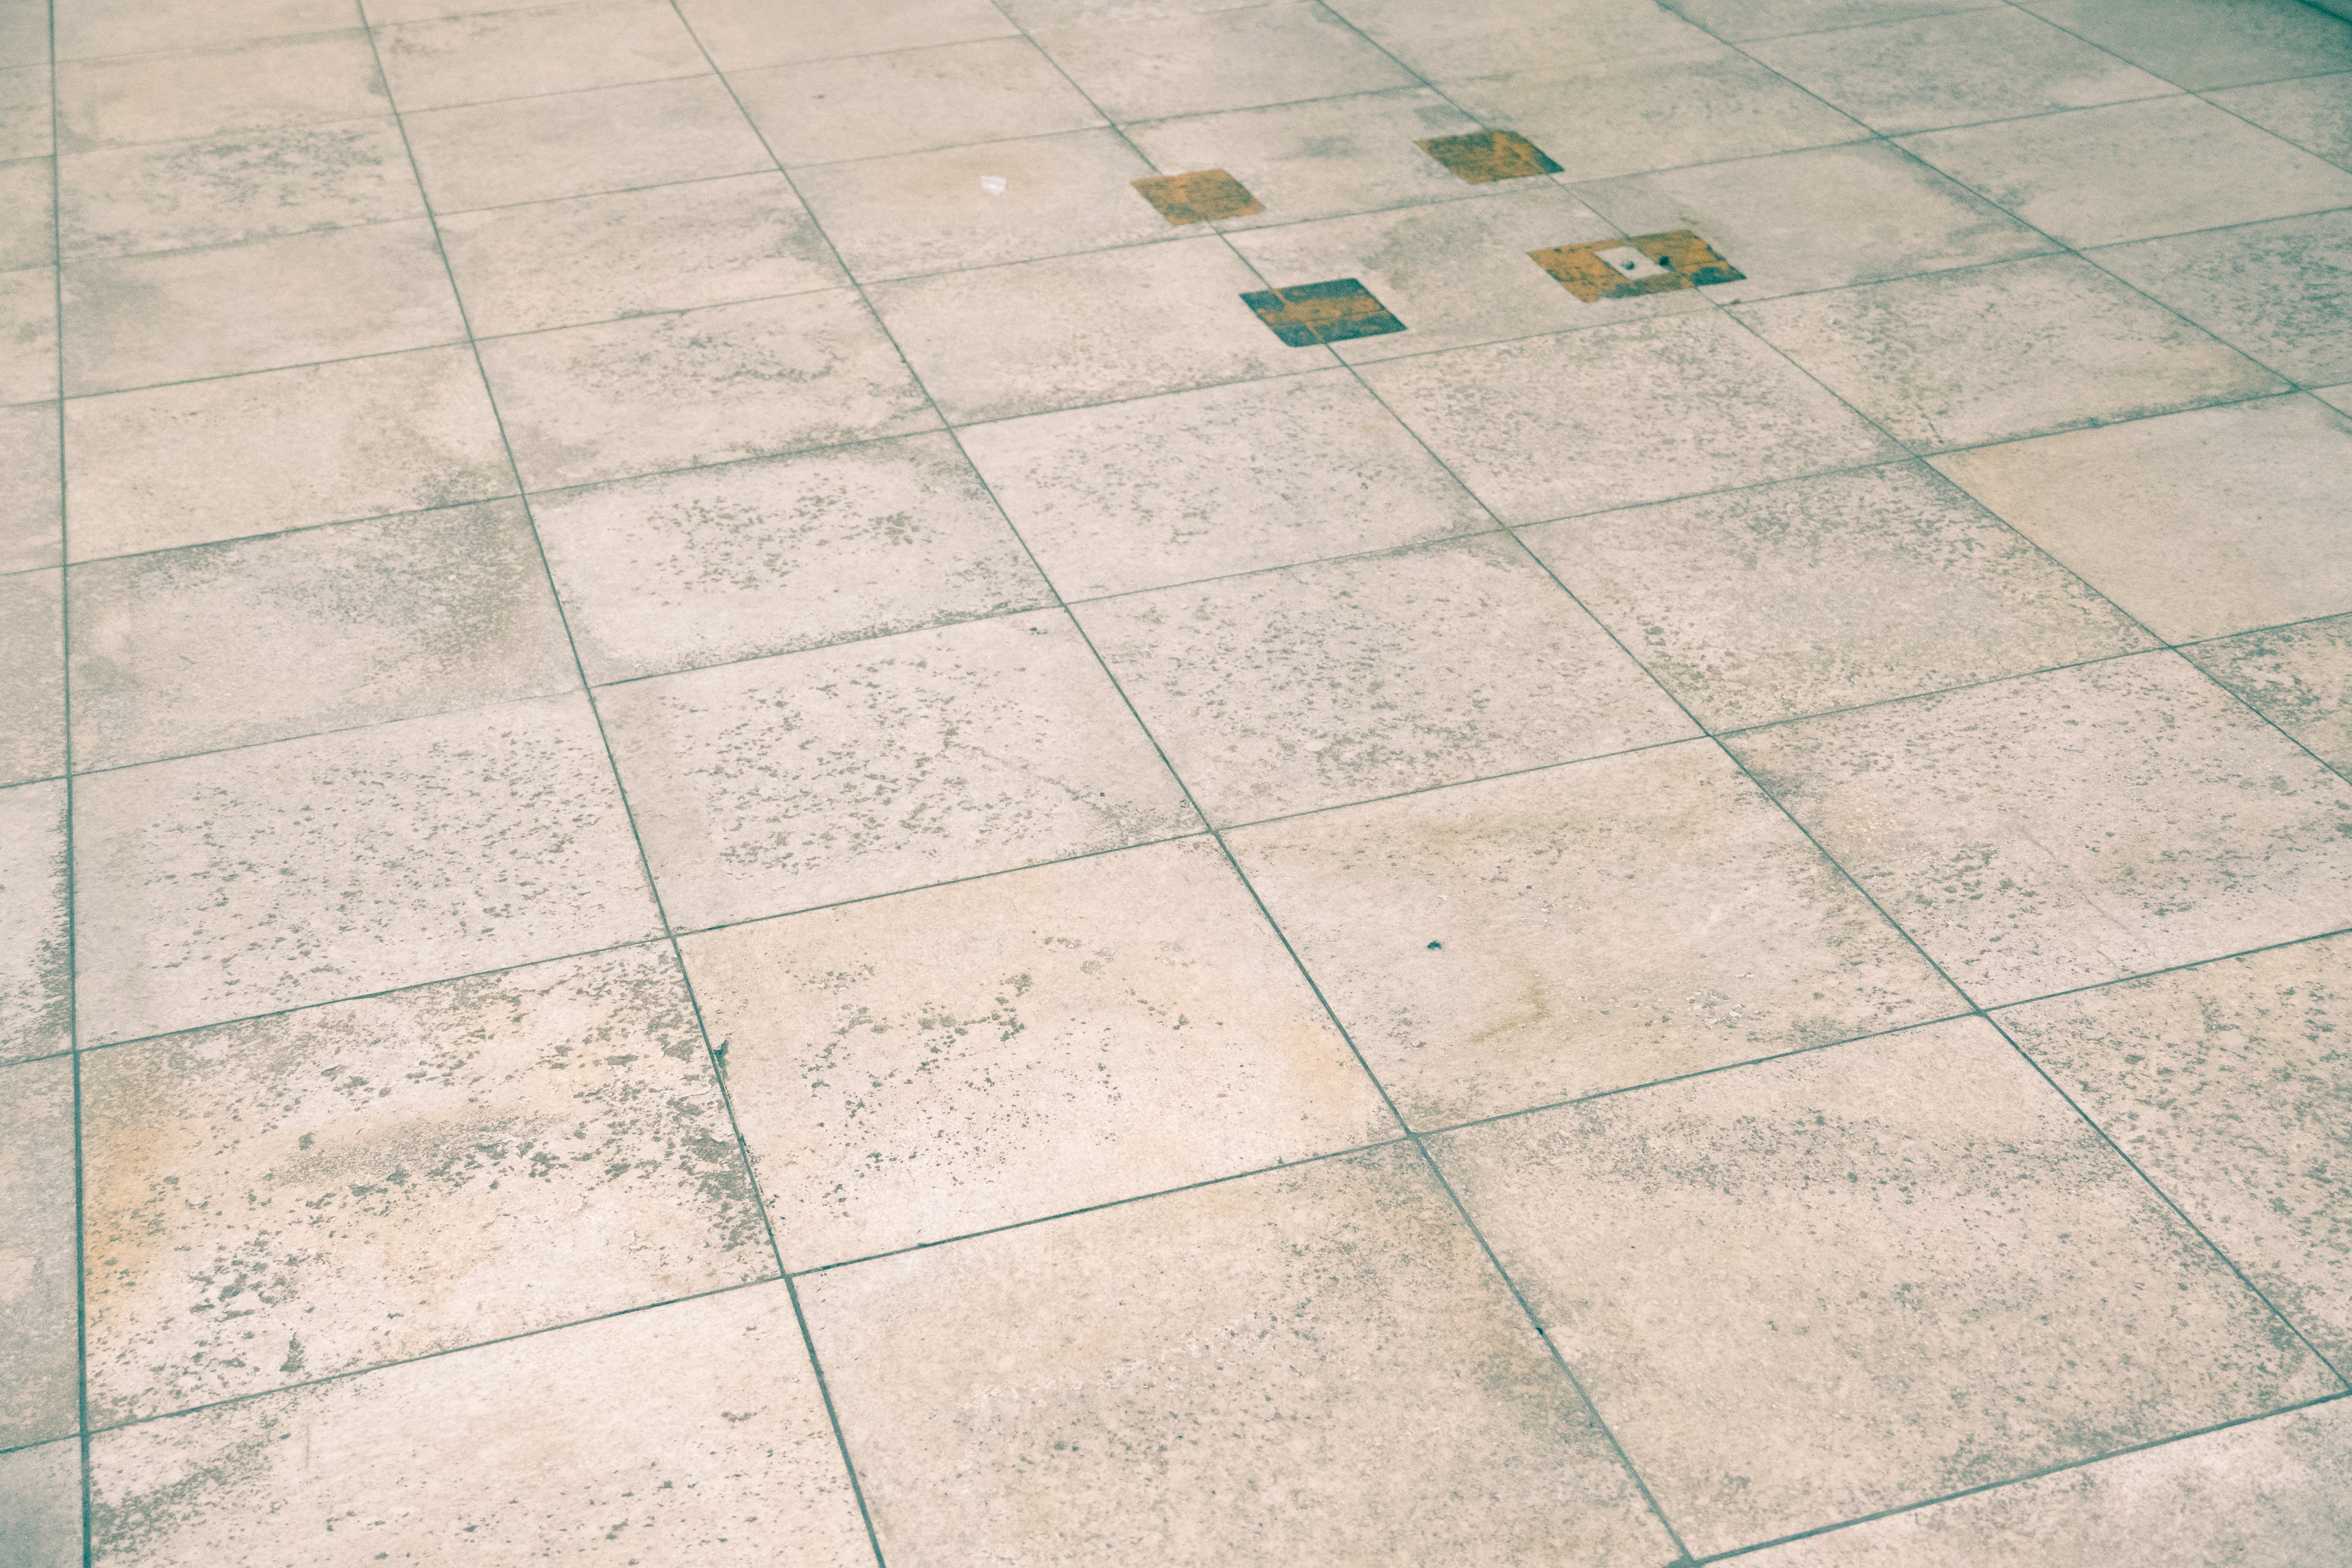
[{"x": 735, "y": 829}]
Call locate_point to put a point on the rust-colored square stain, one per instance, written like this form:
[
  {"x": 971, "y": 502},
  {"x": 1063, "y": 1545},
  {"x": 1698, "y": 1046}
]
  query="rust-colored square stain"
[
  {"x": 1200, "y": 196},
  {"x": 1485, "y": 155},
  {"x": 1323, "y": 312},
  {"x": 1658, "y": 263}
]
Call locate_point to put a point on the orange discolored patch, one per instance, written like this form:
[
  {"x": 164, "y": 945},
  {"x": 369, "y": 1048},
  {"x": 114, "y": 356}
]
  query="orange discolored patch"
[
  {"x": 1330, "y": 312},
  {"x": 1484, "y": 156},
  {"x": 1198, "y": 197},
  {"x": 1646, "y": 264}
]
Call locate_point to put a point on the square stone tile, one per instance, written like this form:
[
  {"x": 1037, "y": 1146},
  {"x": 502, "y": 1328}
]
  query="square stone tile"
[
  {"x": 1201, "y": 195},
  {"x": 2279, "y": 291},
  {"x": 138, "y": 320},
  {"x": 1821, "y": 219},
  {"x": 1744, "y": 20},
  {"x": 86, "y": 27},
  {"x": 2299, "y": 678},
  {"x": 1199, "y": 61},
  {"x": 29, "y": 335},
  {"x": 2338, "y": 397},
  {"x": 633, "y": 252},
  {"x": 1334, "y": 155},
  {"x": 1291, "y": 691},
  {"x": 928, "y": 211},
  {"x": 24, "y": 35},
  {"x": 815, "y": 778},
  {"x": 1862, "y": 1278},
  {"x": 236, "y": 884},
  {"x": 2025, "y": 348},
  {"x": 951, "y": 1060},
  {"x": 1309, "y": 1365},
  {"x": 1455, "y": 273},
  {"x": 329, "y": 628},
  {"x": 31, "y": 519},
  {"x": 1695, "y": 105},
  {"x": 40, "y": 1367},
  {"x": 2313, "y": 112},
  {"x": 700, "y": 386},
  {"x": 2067, "y": 829},
  {"x": 171, "y": 466},
  {"x": 1755, "y": 605},
  {"x": 1210, "y": 483},
  {"x": 2265, "y": 1492},
  {"x": 742, "y": 34},
  {"x": 27, "y": 214},
  {"x": 910, "y": 100},
  {"x": 1634, "y": 411},
  {"x": 1954, "y": 69},
  {"x": 555, "y": 1444},
  {"x": 1037, "y": 335},
  {"x": 36, "y": 962},
  {"x": 25, "y": 112},
  {"x": 251, "y": 86},
  {"x": 2200, "y": 524},
  {"x": 2229, "y": 1084},
  {"x": 1580, "y": 930},
  {"x": 2084, "y": 178},
  {"x": 41, "y": 1495},
  {"x": 32, "y": 689},
  {"x": 2209, "y": 43},
  {"x": 303, "y": 1195},
  {"x": 766, "y": 557},
  {"x": 1484, "y": 37},
  {"x": 538, "y": 50},
  {"x": 1333, "y": 310},
  {"x": 580, "y": 143}
]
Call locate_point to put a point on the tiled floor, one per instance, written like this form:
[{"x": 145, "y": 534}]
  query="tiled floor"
[{"x": 734, "y": 830}]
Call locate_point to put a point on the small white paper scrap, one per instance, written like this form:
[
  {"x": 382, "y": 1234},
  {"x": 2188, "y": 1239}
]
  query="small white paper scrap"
[{"x": 992, "y": 184}]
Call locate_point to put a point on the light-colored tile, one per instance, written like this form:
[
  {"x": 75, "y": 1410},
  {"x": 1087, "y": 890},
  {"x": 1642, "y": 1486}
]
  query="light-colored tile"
[
  {"x": 1580, "y": 930},
  {"x": 1039, "y": 336},
  {"x": 1991, "y": 354},
  {"x": 2265, "y": 1495},
  {"x": 1954, "y": 69},
  {"x": 2071, "y": 828},
  {"x": 32, "y": 689},
  {"x": 25, "y": 33},
  {"x": 1312, "y": 1365},
  {"x": 1744, "y": 20},
  {"x": 397, "y": 855},
  {"x": 693, "y": 1434},
  {"x": 2299, "y": 678},
  {"x": 338, "y": 1187},
  {"x": 139, "y": 320},
  {"x": 86, "y": 27},
  {"x": 814, "y": 778},
  {"x": 633, "y": 252},
  {"x": 40, "y": 1496},
  {"x": 40, "y": 1354},
  {"x": 2313, "y": 112},
  {"x": 1636, "y": 412},
  {"x": 2209, "y": 43},
  {"x": 1310, "y": 687},
  {"x": 2280, "y": 291},
  {"x": 948, "y": 1061},
  {"x": 910, "y": 100},
  {"x": 702, "y": 386},
  {"x": 1200, "y": 61},
  {"x": 281, "y": 449},
  {"x": 36, "y": 962},
  {"x": 542, "y": 49},
  {"x": 1480, "y": 37},
  {"x": 1205, "y": 484},
  {"x": 31, "y": 497},
  {"x": 2200, "y": 524},
  {"x": 580, "y": 143},
  {"x": 2338, "y": 397},
  {"x": 329, "y": 628},
  {"x": 743, "y": 34},
  {"x": 928, "y": 211},
  {"x": 1862, "y": 1278},
  {"x": 29, "y": 335},
  {"x": 25, "y": 112},
  {"x": 178, "y": 95},
  {"x": 1760, "y": 604},
  {"x": 27, "y": 214},
  {"x": 768, "y": 557}
]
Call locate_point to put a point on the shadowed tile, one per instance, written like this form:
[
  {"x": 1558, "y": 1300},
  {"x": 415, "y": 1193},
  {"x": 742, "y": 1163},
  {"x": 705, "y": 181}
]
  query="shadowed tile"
[
  {"x": 741, "y": 33},
  {"x": 40, "y": 1496},
  {"x": 135, "y": 27},
  {"x": 25, "y": 112},
  {"x": 255, "y": 86},
  {"x": 36, "y": 956},
  {"x": 32, "y": 691},
  {"x": 27, "y": 214},
  {"x": 2314, "y": 112},
  {"x": 910, "y": 100},
  {"x": 40, "y": 1352},
  {"x": 2209, "y": 43},
  {"x": 579, "y": 143},
  {"x": 540, "y": 50},
  {"x": 1197, "y": 61},
  {"x": 2280, "y": 291},
  {"x": 1477, "y": 38},
  {"x": 29, "y": 335},
  {"x": 2299, "y": 678},
  {"x": 31, "y": 512}
]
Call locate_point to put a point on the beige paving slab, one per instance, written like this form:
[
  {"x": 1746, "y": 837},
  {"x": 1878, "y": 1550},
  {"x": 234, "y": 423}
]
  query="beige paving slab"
[
  {"x": 1865, "y": 1277},
  {"x": 2279, "y": 291},
  {"x": 236, "y": 884},
  {"x": 1635, "y": 412},
  {"x": 700, "y": 386},
  {"x": 536, "y": 49},
  {"x": 580, "y": 143},
  {"x": 814, "y": 778},
  {"x": 331, "y": 628},
  {"x": 31, "y": 493},
  {"x": 36, "y": 962},
  {"x": 943, "y": 1062},
  {"x": 26, "y": 112},
  {"x": 1598, "y": 926},
  {"x": 908, "y": 100},
  {"x": 742, "y": 34},
  {"x": 2067, "y": 829},
  {"x": 2314, "y": 112},
  {"x": 1038, "y": 335},
  {"x": 558, "y": 1443},
  {"x": 27, "y": 214},
  {"x": 2200, "y": 524},
  {"x": 2209, "y": 43},
  {"x": 633, "y": 252},
  {"x": 1759, "y": 605},
  {"x": 88, "y": 28},
  {"x": 1227, "y": 480},
  {"x": 2339, "y": 397},
  {"x": 171, "y": 466},
  {"x": 766, "y": 557},
  {"x": 1744, "y": 19},
  {"x": 40, "y": 1352},
  {"x": 2298, "y": 677},
  {"x": 23, "y": 36},
  {"x": 29, "y": 335},
  {"x": 40, "y": 1492},
  {"x": 1991, "y": 354},
  {"x": 181, "y": 93},
  {"x": 1480, "y": 37},
  {"x": 1305, "y": 1366},
  {"x": 33, "y": 699},
  {"x": 1199, "y": 61}
]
